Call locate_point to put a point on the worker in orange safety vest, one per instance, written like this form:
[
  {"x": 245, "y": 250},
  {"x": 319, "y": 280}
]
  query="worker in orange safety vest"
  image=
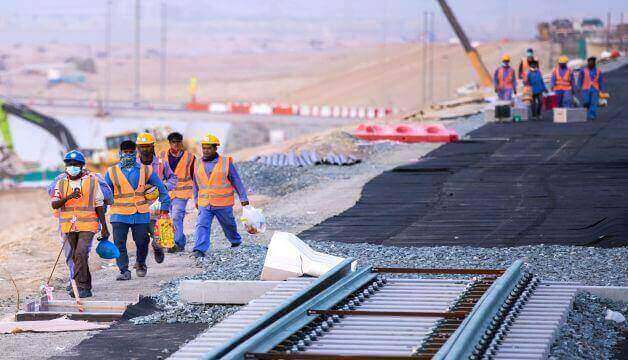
[
  {"x": 80, "y": 205},
  {"x": 563, "y": 83},
  {"x": 505, "y": 80},
  {"x": 215, "y": 182}
]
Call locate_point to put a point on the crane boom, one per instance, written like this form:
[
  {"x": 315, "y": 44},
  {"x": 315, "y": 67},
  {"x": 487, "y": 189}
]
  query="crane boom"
[
  {"x": 472, "y": 53},
  {"x": 50, "y": 124}
]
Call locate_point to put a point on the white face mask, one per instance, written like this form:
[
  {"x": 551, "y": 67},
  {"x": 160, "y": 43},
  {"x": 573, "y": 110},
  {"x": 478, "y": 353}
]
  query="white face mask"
[{"x": 73, "y": 170}]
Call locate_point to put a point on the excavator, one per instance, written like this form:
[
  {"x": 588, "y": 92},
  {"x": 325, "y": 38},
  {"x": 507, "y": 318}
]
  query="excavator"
[{"x": 100, "y": 159}]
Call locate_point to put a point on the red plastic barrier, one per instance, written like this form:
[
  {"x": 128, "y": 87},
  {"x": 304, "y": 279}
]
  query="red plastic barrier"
[
  {"x": 240, "y": 108},
  {"x": 410, "y": 133},
  {"x": 550, "y": 102},
  {"x": 196, "y": 106},
  {"x": 282, "y": 110}
]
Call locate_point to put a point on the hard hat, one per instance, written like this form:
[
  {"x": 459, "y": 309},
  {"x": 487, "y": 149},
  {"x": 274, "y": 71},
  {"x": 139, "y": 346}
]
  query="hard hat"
[
  {"x": 145, "y": 139},
  {"x": 107, "y": 250},
  {"x": 74, "y": 155},
  {"x": 151, "y": 193},
  {"x": 210, "y": 139},
  {"x": 563, "y": 60},
  {"x": 505, "y": 57}
]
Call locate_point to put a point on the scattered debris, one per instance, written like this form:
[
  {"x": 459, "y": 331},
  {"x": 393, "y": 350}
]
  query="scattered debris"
[
  {"x": 614, "y": 316},
  {"x": 289, "y": 257},
  {"x": 54, "y": 325},
  {"x": 306, "y": 158}
]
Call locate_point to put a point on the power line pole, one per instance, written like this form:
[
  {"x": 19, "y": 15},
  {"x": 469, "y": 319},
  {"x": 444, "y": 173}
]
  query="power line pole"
[
  {"x": 164, "y": 48},
  {"x": 608, "y": 30},
  {"x": 431, "y": 70},
  {"x": 136, "y": 95},
  {"x": 424, "y": 57},
  {"x": 108, "y": 59}
]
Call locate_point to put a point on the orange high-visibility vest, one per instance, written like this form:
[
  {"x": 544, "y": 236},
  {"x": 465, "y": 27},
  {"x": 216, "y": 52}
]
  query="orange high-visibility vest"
[
  {"x": 562, "y": 82},
  {"x": 525, "y": 66},
  {"x": 184, "y": 188},
  {"x": 587, "y": 82},
  {"x": 214, "y": 190},
  {"x": 504, "y": 80},
  {"x": 79, "y": 214},
  {"x": 126, "y": 200}
]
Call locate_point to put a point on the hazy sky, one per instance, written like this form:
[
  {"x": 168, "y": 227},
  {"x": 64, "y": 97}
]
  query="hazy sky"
[{"x": 483, "y": 19}]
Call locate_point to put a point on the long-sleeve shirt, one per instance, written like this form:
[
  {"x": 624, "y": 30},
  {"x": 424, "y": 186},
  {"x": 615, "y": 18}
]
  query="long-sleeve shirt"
[
  {"x": 167, "y": 177},
  {"x": 535, "y": 81},
  {"x": 511, "y": 74},
  {"x": 561, "y": 73},
  {"x": 233, "y": 178},
  {"x": 592, "y": 74},
  {"x": 132, "y": 174},
  {"x": 104, "y": 187}
]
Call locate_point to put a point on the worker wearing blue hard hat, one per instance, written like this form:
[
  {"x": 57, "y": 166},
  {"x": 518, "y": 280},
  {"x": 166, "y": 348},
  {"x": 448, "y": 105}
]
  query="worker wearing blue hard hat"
[{"x": 79, "y": 205}]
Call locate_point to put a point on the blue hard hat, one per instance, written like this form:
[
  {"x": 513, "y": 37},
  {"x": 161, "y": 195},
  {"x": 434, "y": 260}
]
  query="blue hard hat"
[
  {"x": 107, "y": 250},
  {"x": 74, "y": 155}
]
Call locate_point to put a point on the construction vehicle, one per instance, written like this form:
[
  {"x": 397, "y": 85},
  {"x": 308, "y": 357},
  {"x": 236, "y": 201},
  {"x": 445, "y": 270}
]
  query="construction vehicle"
[
  {"x": 476, "y": 61},
  {"x": 50, "y": 124}
]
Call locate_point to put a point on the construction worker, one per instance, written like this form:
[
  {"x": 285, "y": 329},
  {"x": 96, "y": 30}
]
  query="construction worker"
[
  {"x": 215, "y": 179},
  {"x": 146, "y": 146},
  {"x": 182, "y": 161},
  {"x": 108, "y": 200},
  {"x": 534, "y": 79},
  {"x": 592, "y": 82},
  {"x": 130, "y": 210},
  {"x": 524, "y": 65},
  {"x": 80, "y": 205},
  {"x": 562, "y": 82},
  {"x": 505, "y": 80}
]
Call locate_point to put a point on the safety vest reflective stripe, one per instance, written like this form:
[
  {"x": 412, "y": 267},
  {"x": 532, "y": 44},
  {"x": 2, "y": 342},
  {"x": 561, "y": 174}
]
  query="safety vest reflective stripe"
[
  {"x": 126, "y": 200},
  {"x": 214, "y": 190},
  {"x": 79, "y": 214},
  {"x": 562, "y": 82},
  {"x": 504, "y": 78},
  {"x": 588, "y": 82},
  {"x": 183, "y": 189}
]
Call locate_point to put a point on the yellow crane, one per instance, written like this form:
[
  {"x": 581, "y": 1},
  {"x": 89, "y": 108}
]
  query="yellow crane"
[{"x": 472, "y": 53}]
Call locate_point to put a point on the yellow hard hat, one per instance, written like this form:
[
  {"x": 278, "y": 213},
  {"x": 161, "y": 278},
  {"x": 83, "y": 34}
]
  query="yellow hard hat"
[
  {"x": 151, "y": 193},
  {"x": 210, "y": 139},
  {"x": 145, "y": 139},
  {"x": 563, "y": 59},
  {"x": 505, "y": 57}
]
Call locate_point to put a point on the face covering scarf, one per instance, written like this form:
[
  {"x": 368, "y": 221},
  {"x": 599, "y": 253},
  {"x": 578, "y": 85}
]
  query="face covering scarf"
[{"x": 127, "y": 160}]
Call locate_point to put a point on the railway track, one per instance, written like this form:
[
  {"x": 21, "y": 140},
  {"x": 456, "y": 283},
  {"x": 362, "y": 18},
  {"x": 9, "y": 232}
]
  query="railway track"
[{"x": 395, "y": 313}]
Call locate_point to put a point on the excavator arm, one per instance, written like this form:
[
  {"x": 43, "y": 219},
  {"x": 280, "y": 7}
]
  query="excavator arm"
[
  {"x": 50, "y": 124},
  {"x": 474, "y": 56}
]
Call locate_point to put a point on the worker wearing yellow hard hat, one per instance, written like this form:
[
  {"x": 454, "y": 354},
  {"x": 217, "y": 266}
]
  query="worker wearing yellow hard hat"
[
  {"x": 505, "y": 80},
  {"x": 592, "y": 83},
  {"x": 146, "y": 145},
  {"x": 563, "y": 82},
  {"x": 216, "y": 180},
  {"x": 130, "y": 209}
]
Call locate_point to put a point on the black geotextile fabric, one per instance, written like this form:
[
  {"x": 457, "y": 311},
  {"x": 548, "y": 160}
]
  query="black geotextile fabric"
[
  {"x": 514, "y": 184},
  {"x": 124, "y": 340}
]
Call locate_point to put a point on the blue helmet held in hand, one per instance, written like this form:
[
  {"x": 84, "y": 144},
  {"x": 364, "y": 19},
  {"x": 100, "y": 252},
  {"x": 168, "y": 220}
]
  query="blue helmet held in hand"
[{"x": 107, "y": 250}]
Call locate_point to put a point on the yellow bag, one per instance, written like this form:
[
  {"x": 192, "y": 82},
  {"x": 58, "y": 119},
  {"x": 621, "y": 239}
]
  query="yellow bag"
[
  {"x": 527, "y": 93},
  {"x": 164, "y": 232}
]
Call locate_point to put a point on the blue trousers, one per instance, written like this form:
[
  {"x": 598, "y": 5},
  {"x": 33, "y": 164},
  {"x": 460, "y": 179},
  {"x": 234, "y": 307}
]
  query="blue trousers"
[
  {"x": 504, "y": 94},
  {"x": 177, "y": 212},
  {"x": 140, "y": 236},
  {"x": 591, "y": 99},
  {"x": 203, "y": 226},
  {"x": 564, "y": 98}
]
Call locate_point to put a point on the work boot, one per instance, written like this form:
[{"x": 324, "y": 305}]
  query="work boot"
[
  {"x": 140, "y": 270},
  {"x": 175, "y": 249},
  {"x": 235, "y": 244},
  {"x": 197, "y": 254},
  {"x": 82, "y": 293},
  {"x": 158, "y": 252},
  {"x": 124, "y": 276}
]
